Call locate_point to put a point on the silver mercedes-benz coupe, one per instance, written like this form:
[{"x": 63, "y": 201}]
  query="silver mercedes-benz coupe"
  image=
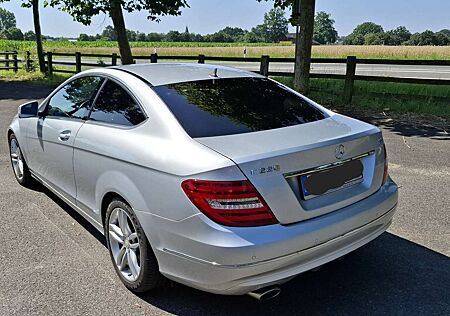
[{"x": 214, "y": 177}]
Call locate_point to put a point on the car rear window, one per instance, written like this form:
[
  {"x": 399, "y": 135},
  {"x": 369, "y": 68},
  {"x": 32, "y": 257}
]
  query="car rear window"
[{"x": 229, "y": 106}]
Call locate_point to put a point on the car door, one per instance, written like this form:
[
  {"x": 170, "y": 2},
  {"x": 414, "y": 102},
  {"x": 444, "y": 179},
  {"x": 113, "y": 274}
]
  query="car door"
[
  {"x": 98, "y": 155},
  {"x": 51, "y": 137}
]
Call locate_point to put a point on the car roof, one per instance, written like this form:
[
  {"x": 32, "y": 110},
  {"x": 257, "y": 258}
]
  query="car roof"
[{"x": 168, "y": 73}]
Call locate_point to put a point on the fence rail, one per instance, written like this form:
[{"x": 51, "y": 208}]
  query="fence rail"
[
  {"x": 265, "y": 61},
  {"x": 9, "y": 60}
]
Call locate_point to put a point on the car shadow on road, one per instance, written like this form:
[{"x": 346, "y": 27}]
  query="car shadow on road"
[
  {"x": 438, "y": 130},
  {"x": 390, "y": 275}
]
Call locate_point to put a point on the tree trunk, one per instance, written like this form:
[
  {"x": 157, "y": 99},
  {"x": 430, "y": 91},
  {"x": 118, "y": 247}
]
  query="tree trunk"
[
  {"x": 304, "y": 46},
  {"x": 37, "y": 31},
  {"x": 121, "y": 32}
]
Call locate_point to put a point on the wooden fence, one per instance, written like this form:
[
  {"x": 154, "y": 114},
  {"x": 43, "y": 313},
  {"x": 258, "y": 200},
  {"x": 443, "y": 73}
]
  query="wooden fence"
[
  {"x": 350, "y": 76},
  {"x": 9, "y": 61}
]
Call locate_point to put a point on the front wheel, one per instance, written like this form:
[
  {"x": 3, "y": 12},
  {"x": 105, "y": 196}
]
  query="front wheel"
[
  {"x": 19, "y": 166},
  {"x": 130, "y": 251}
]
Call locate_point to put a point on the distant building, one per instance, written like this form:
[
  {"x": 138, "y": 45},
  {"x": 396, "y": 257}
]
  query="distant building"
[{"x": 291, "y": 37}]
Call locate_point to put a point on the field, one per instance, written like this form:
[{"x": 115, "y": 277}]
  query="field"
[{"x": 236, "y": 49}]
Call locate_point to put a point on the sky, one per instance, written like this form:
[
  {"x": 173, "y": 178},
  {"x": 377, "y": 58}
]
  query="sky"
[{"x": 209, "y": 16}]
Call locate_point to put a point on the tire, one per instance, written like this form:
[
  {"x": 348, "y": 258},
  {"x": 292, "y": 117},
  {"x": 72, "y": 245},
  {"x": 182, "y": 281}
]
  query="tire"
[
  {"x": 18, "y": 164},
  {"x": 148, "y": 277}
]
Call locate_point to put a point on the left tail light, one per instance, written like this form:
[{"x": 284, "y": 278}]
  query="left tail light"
[
  {"x": 386, "y": 172},
  {"x": 229, "y": 203}
]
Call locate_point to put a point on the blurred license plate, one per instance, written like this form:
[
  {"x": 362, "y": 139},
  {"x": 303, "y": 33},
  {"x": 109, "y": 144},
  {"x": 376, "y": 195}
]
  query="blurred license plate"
[{"x": 333, "y": 179}]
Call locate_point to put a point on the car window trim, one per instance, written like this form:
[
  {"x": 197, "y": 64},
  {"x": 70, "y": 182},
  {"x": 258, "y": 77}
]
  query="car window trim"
[
  {"x": 103, "y": 79},
  {"x": 130, "y": 93}
]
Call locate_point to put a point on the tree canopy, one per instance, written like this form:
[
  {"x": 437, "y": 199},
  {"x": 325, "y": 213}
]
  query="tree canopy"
[
  {"x": 324, "y": 31},
  {"x": 7, "y": 19}
]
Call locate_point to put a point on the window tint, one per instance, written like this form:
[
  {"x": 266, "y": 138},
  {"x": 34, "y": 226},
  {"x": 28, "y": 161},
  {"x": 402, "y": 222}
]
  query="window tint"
[
  {"x": 73, "y": 100},
  {"x": 115, "y": 106},
  {"x": 235, "y": 105}
]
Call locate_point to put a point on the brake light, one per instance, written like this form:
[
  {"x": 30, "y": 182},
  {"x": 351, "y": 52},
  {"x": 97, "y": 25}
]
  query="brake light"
[
  {"x": 229, "y": 203},
  {"x": 386, "y": 173}
]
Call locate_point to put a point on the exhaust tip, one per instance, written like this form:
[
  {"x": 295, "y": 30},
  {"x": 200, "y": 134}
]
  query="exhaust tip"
[{"x": 266, "y": 293}]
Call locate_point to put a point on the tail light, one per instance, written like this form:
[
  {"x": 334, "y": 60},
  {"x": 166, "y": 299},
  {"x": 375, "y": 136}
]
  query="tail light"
[
  {"x": 386, "y": 173},
  {"x": 229, "y": 203}
]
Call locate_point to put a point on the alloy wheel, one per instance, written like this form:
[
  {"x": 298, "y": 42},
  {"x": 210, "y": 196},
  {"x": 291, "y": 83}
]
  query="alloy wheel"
[
  {"x": 124, "y": 244},
  {"x": 16, "y": 159}
]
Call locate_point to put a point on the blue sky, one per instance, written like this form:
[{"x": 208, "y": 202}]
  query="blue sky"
[{"x": 208, "y": 16}]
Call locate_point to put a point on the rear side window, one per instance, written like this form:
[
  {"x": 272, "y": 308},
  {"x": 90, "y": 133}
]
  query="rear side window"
[
  {"x": 219, "y": 107},
  {"x": 114, "y": 105},
  {"x": 73, "y": 100}
]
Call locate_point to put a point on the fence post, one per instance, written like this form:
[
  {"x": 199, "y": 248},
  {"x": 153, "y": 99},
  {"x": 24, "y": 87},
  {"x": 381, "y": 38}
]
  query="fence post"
[
  {"x": 50, "y": 63},
  {"x": 78, "y": 62},
  {"x": 114, "y": 59},
  {"x": 349, "y": 79},
  {"x": 7, "y": 61},
  {"x": 264, "y": 67},
  {"x": 201, "y": 59},
  {"x": 28, "y": 61},
  {"x": 15, "y": 63},
  {"x": 154, "y": 58}
]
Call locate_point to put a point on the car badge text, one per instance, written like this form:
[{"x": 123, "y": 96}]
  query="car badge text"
[{"x": 267, "y": 169}]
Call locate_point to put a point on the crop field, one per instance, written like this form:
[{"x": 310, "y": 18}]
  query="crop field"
[{"x": 236, "y": 49}]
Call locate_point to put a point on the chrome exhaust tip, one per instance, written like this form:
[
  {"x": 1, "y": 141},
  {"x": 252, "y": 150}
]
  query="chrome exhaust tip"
[{"x": 266, "y": 293}]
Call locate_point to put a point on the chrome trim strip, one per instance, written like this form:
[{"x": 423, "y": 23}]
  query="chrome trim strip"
[
  {"x": 250, "y": 264},
  {"x": 325, "y": 167}
]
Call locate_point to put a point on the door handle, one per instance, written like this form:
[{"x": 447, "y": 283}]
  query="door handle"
[{"x": 64, "y": 136}]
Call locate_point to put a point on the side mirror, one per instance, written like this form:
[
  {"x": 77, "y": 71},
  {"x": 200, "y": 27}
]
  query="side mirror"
[{"x": 28, "y": 109}]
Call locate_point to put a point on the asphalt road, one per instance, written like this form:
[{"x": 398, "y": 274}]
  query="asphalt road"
[
  {"x": 401, "y": 71},
  {"x": 53, "y": 262}
]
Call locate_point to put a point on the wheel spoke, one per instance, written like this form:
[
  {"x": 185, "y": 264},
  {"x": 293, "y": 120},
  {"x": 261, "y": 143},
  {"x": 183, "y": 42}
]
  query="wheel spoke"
[
  {"x": 133, "y": 263},
  {"x": 132, "y": 236},
  {"x": 116, "y": 237},
  {"x": 121, "y": 257},
  {"x": 123, "y": 223},
  {"x": 113, "y": 228}
]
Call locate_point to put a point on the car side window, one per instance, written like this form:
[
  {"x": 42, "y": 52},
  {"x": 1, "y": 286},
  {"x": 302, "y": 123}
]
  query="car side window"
[
  {"x": 114, "y": 105},
  {"x": 74, "y": 99}
]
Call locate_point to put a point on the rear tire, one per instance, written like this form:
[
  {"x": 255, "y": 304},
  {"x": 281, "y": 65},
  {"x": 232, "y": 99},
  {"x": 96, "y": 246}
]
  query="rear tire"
[
  {"x": 19, "y": 166},
  {"x": 130, "y": 251}
]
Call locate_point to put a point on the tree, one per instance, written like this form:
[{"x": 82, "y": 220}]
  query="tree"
[
  {"x": 367, "y": 28},
  {"x": 374, "y": 39},
  {"x": 83, "y": 11},
  {"x": 15, "y": 34},
  {"x": 234, "y": 32},
  {"x": 29, "y": 36},
  {"x": 303, "y": 16},
  {"x": 109, "y": 33},
  {"x": 275, "y": 25},
  {"x": 7, "y": 19},
  {"x": 442, "y": 39},
  {"x": 353, "y": 39},
  {"x": 397, "y": 36},
  {"x": 34, "y": 5},
  {"x": 324, "y": 31}
]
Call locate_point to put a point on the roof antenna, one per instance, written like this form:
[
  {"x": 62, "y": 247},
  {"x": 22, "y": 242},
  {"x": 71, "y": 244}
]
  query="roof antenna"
[{"x": 214, "y": 73}]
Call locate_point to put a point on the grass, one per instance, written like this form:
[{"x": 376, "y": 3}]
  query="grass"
[
  {"x": 35, "y": 78},
  {"x": 236, "y": 49},
  {"x": 383, "y": 97}
]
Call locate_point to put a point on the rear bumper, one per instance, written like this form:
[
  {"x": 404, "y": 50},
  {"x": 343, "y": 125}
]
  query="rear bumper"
[{"x": 224, "y": 260}]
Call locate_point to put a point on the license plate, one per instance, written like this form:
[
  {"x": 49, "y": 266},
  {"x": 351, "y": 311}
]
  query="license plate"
[{"x": 333, "y": 179}]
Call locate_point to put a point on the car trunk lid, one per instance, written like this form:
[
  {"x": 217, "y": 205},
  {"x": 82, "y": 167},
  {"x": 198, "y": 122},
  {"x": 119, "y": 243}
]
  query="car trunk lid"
[{"x": 275, "y": 160}]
